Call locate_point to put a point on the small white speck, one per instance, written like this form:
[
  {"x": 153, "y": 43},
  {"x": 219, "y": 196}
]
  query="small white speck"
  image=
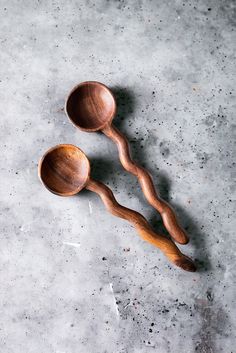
[
  {"x": 116, "y": 306},
  {"x": 90, "y": 207},
  {"x": 75, "y": 245}
]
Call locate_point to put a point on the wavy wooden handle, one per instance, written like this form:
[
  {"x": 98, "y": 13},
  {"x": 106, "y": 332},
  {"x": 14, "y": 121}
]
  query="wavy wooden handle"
[
  {"x": 145, "y": 180},
  {"x": 140, "y": 223}
]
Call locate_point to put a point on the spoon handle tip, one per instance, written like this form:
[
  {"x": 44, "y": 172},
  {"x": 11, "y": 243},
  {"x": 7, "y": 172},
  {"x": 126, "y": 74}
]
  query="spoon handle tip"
[{"x": 144, "y": 229}]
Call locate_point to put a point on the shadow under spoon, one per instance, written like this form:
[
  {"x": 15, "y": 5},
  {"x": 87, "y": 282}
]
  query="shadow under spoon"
[
  {"x": 65, "y": 171},
  {"x": 91, "y": 106}
]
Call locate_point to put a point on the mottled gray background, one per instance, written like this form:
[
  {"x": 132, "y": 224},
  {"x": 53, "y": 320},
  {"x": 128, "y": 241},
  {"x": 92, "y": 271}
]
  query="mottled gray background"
[{"x": 75, "y": 279}]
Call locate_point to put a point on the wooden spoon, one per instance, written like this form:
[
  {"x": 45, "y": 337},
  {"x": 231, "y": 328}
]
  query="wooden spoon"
[
  {"x": 65, "y": 171},
  {"x": 91, "y": 106}
]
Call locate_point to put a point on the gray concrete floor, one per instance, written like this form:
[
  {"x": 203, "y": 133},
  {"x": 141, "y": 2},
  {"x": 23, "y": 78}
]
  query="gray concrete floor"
[{"x": 75, "y": 279}]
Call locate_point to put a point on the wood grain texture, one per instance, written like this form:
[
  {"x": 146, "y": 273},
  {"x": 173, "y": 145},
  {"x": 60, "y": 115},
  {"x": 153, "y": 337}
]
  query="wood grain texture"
[
  {"x": 142, "y": 226},
  {"x": 65, "y": 170},
  {"x": 91, "y": 106},
  {"x": 145, "y": 180}
]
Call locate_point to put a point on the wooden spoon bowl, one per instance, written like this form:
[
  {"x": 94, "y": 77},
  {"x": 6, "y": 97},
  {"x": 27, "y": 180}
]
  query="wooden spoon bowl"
[
  {"x": 90, "y": 106},
  {"x": 64, "y": 170}
]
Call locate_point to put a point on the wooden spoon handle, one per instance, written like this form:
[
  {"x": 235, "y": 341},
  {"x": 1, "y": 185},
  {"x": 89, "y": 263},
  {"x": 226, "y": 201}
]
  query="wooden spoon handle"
[
  {"x": 142, "y": 226},
  {"x": 145, "y": 180}
]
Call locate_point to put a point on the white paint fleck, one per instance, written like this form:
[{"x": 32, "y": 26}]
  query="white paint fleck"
[
  {"x": 75, "y": 245},
  {"x": 114, "y": 299},
  {"x": 90, "y": 207},
  {"x": 26, "y": 227}
]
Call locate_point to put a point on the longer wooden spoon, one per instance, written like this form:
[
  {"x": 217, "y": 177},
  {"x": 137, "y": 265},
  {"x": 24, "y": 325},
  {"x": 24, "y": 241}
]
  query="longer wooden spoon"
[
  {"x": 91, "y": 106},
  {"x": 65, "y": 171}
]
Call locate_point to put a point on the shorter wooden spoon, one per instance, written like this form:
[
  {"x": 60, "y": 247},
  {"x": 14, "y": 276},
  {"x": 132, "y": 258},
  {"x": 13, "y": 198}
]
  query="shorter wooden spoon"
[{"x": 65, "y": 171}]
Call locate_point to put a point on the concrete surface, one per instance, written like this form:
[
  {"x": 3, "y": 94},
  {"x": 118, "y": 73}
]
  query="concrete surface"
[{"x": 75, "y": 279}]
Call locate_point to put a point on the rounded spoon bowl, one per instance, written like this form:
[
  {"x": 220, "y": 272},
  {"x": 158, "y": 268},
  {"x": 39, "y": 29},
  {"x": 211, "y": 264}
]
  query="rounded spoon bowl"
[{"x": 91, "y": 106}]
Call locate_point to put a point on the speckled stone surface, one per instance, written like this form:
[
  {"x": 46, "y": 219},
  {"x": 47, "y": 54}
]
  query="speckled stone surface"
[{"x": 75, "y": 279}]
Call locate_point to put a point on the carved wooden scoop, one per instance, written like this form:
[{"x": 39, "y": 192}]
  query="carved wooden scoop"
[
  {"x": 91, "y": 106},
  {"x": 65, "y": 171}
]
